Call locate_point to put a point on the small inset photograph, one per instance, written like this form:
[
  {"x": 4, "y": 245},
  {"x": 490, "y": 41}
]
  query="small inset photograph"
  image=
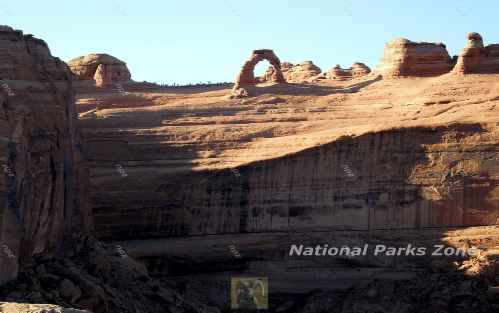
[{"x": 249, "y": 293}]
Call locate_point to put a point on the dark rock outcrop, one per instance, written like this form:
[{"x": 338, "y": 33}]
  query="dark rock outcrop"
[{"x": 41, "y": 193}]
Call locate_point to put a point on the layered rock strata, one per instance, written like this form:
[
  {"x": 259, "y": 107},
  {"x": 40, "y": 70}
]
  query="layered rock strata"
[
  {"x": 104, "y": 69},
  {"x": 325, "y": 188},
  {"x": 475, "y": 58},
  {"x": 403, "y": 57},
  {"x": 41, "y": 193}
]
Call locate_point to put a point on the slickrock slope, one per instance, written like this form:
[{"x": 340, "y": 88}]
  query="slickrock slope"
[
  {"x": 370, "y": 160},
  {"x": 370, "y": 154},
  {"x": 104, "y": 69},
  {"x": 475, "y": 58},
  {"x": 41, "y": 192},
  {"x": 403, "y": 57}
]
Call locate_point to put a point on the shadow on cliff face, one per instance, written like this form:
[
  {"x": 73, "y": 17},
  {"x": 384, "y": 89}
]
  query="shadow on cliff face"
[
  {"x": 397, "y": 179},
  {"x": 395, "y": 187},
  {"x": 392, "y": 188}
]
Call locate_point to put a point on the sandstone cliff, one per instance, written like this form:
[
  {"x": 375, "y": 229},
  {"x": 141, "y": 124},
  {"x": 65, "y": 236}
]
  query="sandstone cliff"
[
  {"x": 201, "y": 188},
  {"x": 41, "y": 161},
  {"x": 403, "y": 57},
  {"x": 410, "y": 164}
]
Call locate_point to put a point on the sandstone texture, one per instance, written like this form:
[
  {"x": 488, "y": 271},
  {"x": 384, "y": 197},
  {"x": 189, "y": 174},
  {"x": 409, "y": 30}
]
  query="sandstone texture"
[
  {"x": 36, "y": 308},
  {"x": 246, "y": 76},
  {"x": 359, "y": 70},
  {"x": 187, "y": 188},
  {"x": 301, "y": 72},
  {"x": 402, "y": 154},
  {"x": 39, "y": 151},
  {"x": 104, "y": 69},
  {"x": 404, "y": 58},
  {"x": 475, "y": 58},
  {"x": 339, "y": 73}
]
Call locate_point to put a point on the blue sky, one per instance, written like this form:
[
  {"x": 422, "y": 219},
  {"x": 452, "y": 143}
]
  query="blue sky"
[{"x": 197, "y": 41}]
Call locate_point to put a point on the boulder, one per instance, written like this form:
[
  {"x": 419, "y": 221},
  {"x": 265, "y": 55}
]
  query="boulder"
[{"x": 403, "y": 57}]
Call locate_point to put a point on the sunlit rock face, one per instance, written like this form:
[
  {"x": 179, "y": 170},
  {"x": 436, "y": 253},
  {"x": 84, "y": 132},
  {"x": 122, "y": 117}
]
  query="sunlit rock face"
[
  {"x": 405, "y": 58},
  {"x": 104, "y": 69},
  {"x": 475, "y": 58}
]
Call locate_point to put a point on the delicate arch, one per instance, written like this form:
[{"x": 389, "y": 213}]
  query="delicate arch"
[{"x": 246, "y": 76}]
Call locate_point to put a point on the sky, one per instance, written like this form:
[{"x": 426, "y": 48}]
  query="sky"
[{"x": 188, "y": 41}]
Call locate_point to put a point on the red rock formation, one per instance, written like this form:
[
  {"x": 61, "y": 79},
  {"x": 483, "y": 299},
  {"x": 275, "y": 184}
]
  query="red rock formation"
[
  {"x": 355, "y": 71},
  {"x": 475, "y": 58},
  {"x": 302, "y": 72},
  {"x": 39, "y": 152},
  {"x": 246, "y": 76},
  {"x": 103, "y": 68},
  {"x": 403, "y": 57},
  {"x": 339, "y": 73},
  {"x": 359, "y": 69}
]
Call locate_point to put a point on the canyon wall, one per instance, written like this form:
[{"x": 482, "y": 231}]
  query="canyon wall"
[
  {"x": 42, "y": 187},
  {"x": 404, "y": 178},
  {"x": 403, "y": 57}
]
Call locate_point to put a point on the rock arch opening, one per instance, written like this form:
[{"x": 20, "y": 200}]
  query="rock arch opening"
[{"x": 246, "y": 76}]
